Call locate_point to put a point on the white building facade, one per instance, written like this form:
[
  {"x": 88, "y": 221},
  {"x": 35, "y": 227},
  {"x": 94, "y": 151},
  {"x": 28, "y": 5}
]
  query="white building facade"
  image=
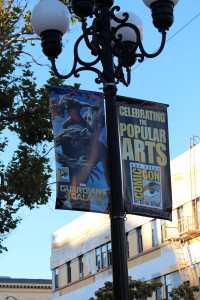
[{"x": 81, "y": 259}]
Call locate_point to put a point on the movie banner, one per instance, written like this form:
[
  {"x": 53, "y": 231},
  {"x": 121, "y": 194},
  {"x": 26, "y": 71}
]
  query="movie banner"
[
  {"x": 80, "y": 149},
  {"x": 143, "y": 130}
]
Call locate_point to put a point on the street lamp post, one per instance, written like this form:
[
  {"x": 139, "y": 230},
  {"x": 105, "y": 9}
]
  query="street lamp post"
[{"x": 115, "y": 41}]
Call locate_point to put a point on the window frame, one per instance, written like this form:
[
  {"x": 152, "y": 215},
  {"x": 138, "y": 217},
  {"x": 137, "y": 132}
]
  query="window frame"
[
  {"x": 98, "y": 258},
  {"x": 104, "y": 256},
  {"x": 81, "y": 266},
  {"x": 56, "y": 278},
  {"x": 69, "y": 272},
  {"x": 127, "y": 245},
  {"x": 159, "y": 290},
  {"x": 139, "y": 239},
  {"x": 109, "y": 255},
  {"x": 154, "y": 232},
  {"x": 168, "y": 287}
]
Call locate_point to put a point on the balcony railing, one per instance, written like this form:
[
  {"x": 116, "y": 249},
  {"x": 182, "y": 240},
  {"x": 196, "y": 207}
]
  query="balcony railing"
[{"x": 186, "y": 228}]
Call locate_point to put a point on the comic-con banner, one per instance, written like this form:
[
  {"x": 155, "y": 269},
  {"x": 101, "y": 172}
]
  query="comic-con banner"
[
  {"x": 81, "y": 150},
  {"x": 143, "y": 130}
]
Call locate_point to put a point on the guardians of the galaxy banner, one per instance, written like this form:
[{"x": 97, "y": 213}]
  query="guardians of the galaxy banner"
[
  {"x": 143, "y": 130},
  {"x": 81, "y": 150}
]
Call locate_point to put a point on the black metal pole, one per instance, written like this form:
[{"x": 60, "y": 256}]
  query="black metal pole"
[{"x": 118, "y": 238}]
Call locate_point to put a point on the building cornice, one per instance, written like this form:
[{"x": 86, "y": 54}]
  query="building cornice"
[{"x": 7, "y": 282}]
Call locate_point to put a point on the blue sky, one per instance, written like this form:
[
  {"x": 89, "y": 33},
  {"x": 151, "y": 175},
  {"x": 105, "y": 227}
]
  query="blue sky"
[{"x": 172, "y": 78}]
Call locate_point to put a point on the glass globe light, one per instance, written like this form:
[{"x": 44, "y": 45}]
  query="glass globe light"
[
  {"x": 50, "y": 15},
  {"x": 149, "y": 2},
  {"x": 126, "y": 46},
  {"x": 162, "y": 13},
  {"x": 128, "y": 34}
]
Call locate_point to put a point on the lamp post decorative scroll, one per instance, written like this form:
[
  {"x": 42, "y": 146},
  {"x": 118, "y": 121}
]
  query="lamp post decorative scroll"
[
  {"x": 124, "y": 37},
  {"x": 115, "y": 42},
  {"x": 10, "y": 297}
]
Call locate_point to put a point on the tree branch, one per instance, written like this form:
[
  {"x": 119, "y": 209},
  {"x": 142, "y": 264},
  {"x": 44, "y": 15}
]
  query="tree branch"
[
  {"x": 14, "y": 117},
  {"x": 34, "y": 60}
]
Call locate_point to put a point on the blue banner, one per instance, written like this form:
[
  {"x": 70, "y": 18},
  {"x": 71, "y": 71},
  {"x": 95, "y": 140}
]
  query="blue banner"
[{"x": 80, "y": 149}]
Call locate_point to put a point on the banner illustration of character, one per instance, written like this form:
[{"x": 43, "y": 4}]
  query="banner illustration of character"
[
  {"x": 143, "y": 130},
  {"x": 80, "y": 149}
]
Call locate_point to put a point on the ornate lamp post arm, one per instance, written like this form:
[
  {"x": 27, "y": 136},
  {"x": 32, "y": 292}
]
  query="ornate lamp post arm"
[
  {"x": 125, "y": 51},
  {"x": 114, "y": 41},
  {"x": 9, "y": 297}
]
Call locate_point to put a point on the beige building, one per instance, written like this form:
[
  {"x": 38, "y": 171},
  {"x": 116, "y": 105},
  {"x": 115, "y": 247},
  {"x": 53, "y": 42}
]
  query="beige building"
[
  {"x": 81, "y": 259},
  {"x": 25, "y": 289}
]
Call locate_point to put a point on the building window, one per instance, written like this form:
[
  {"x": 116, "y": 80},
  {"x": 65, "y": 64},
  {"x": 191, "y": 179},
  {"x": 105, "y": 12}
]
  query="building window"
[
  {"x": 158, "y": 291},
  {"x": 98, "y": 258},
  {"x": 109, "y": 245},
  {"x": 180, "y": 212},
  {"x": 154, "y": 233},
  {"x": 69, "y": 274},
  {"x": 163, "y": 230},
  {"x": 81, "y": 274},
  {"x": 180, "y": 217},
  {"x": 168, "y": 286},
  {"x": 127, "y": 245},
  {"x": 56, "y": 278},
  {"x": 103, "y": 256},
  {"x": 139, "y": 238},
  {"x": 196, "y": 212},
  {"x": 176, "y": 278}
]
